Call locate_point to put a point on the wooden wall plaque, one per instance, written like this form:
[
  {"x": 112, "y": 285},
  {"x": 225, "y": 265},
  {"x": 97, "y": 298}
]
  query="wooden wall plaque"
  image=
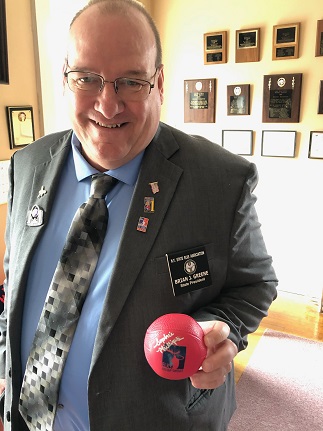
[
  {"x": 215, "y": 47},
  {"x": 319, "y": 39},
  {"x": 285, "y": 41},
  {"x": 199, "y": 100},
  {"x": 238, "y": 99},
  {"x": 320, "y": 107},
  {"x": 282, "y": 98},
  {"x": 247, "y": 45}
]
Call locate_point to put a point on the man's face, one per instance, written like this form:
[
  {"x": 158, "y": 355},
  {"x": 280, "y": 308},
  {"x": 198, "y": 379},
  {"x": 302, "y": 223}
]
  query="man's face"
[{"x": 113, "y": 131}]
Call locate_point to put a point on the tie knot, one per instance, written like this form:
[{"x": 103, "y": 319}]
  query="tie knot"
[{"x": 101, "y": 185}]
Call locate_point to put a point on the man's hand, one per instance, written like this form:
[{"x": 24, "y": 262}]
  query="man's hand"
[{"x": 219, "y": 357}]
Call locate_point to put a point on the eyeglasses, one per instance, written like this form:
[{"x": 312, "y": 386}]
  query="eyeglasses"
[{"x": 90, "y": 84}]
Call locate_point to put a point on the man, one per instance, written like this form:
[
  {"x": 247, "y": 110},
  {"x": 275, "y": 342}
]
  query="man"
[{"x": 177, "y": 196}]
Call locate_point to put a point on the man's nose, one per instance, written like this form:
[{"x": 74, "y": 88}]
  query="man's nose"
[{"x": 108, "y": 102}]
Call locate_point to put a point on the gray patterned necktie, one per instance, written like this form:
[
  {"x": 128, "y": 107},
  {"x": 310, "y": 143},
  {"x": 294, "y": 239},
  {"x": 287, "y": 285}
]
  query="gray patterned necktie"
[{"x": 63, "y": 305}]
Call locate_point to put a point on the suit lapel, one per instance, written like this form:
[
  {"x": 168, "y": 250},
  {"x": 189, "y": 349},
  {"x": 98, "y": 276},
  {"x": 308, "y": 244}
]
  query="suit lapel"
[
  {"x": 45, "y": 174},
  {"x": 135, "y": 245}
]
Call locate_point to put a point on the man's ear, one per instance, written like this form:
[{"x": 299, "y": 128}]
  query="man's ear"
[
  {"x": 160, "y": 82},
  {"x": 64, "y": 67}
]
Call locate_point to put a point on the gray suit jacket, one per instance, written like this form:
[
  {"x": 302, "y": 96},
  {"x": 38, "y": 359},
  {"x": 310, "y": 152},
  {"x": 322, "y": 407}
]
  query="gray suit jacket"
[{"x": 205, "y": 199}]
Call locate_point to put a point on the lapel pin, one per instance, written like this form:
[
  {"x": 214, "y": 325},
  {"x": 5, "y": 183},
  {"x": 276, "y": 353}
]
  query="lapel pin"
[
  {"x": 149, "y": 205},
  {"x": 42, "y": 192},
  {"x": 35, "y": 216},
  {"x": 154, "y": 187},
  {"x": 142, "y": 224}
]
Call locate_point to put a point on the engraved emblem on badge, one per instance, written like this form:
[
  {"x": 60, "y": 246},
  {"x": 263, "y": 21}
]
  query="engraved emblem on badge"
[
  {"x": 35, "y": 216},
  {"x": 281, "y": 82},
  {"x": 237, "y": 91},
  {"x": 190, "y": 266}
]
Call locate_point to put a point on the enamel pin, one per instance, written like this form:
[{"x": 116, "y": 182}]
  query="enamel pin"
[
  {"x": 154, "y": 187},
  {"x": 149, "y": 205},
  {"x": 35, "y": 216},
  {"x": 42, "y": 192},
  {"x": 142, "y": 224}
]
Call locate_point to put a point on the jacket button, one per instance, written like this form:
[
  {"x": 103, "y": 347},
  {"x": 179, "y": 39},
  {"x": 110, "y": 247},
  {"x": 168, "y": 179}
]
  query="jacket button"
[{"x": 8, "y": 416}]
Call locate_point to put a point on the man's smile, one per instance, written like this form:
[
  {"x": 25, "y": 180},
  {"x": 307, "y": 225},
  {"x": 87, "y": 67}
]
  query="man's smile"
[{"x": 108, "y": 126}]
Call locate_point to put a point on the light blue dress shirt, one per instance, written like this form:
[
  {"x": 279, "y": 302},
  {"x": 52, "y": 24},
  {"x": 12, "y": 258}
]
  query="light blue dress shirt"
[{"x": 73, "y": 190}]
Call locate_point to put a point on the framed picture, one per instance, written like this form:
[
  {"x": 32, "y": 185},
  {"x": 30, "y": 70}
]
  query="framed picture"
[
  {"x": 285, "y": 41},
  {"x": 247, "y": 45},
  {"x": 21, "y": 126},
  {"x": 238, "y": 99},
  {"x": 238, "y": 141},
  {"x": 215, "y": 47},
  {"x": 282, "y": 98},
  {"x": 278, "y": 143},
  {"x": 315, "y": 150},
  {"x": 319, "y": 39},
  {"x": 4, "y": 72},
  {"x": 320, "y": 107}
]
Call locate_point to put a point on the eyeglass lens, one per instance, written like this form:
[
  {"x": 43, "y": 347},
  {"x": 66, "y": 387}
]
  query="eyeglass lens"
[{"x": 92, "y": 83}]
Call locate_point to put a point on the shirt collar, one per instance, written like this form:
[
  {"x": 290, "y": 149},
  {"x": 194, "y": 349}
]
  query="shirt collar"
[{"x": 127, "y": 173}]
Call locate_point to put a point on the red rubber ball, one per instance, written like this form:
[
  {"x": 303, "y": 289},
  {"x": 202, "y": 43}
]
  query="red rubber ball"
[{"x": 174, "y": 346}]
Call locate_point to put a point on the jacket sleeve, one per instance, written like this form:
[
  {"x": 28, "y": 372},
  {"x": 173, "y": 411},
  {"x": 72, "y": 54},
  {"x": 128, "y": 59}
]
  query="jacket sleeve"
[{"x": 250, "y": 285}]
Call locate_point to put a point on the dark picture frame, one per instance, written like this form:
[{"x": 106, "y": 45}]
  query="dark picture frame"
[
  {"x": 238, "y": 99},
  {"x": 215, "y": 47},
  {"x": 320, "y": 107},
  {"x": 319, "y": 39},
  {"x": 315, "y": 150},
  {"x": 238, "y": 141},
  {"x": 4, "y": 70},
  {"x": 278, "y": 143},
  {"x": 286, "y": 41},
  {"x": 20, "y": 125}
]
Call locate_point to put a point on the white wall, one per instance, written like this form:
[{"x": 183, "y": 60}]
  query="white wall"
[
  {"x": 290, "y": 204},
  {"x": 289, "y": 192},
  {"x": 53, "y": 18}
]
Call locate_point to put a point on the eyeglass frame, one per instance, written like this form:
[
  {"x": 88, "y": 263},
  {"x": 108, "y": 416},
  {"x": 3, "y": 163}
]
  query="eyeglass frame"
[{"x": 104, "y": 81}]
